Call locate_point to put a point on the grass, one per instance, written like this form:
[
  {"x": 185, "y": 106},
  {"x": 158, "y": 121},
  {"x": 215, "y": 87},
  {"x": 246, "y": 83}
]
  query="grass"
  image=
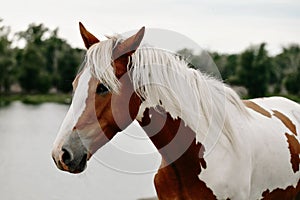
[{"x": 35, "y": 99}]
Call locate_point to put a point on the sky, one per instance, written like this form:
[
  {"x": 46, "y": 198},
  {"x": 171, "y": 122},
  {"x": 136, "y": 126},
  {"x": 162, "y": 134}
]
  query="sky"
[{"x": 226, "y": 26}]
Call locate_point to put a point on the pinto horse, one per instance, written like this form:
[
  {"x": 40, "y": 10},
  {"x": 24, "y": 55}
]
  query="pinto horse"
[{"x": 213, "y": 145}]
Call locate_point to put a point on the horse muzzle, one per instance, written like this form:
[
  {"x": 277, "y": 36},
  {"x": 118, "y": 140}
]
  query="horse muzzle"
[
  {"x": 66, "y": 161},
  {"x": 72, "y": 156}
]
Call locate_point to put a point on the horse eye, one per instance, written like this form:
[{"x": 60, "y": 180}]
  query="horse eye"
[{"x": 101, "y": 89}]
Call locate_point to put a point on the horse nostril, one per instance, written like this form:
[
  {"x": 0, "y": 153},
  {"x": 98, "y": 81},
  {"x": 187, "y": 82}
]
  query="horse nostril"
[{"x": 66, "y": 156}]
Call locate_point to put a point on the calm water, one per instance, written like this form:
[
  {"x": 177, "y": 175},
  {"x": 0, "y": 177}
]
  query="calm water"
[{"x": 123, "y": 169}]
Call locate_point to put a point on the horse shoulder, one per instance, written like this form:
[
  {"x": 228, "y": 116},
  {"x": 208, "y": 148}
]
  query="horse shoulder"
[
  {"x": 228, "y": 172},
  {"x": 277, "y": 148}
]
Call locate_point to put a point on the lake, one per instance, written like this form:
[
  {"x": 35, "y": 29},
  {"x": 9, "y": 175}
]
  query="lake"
[{"x": 122, "y": 169}]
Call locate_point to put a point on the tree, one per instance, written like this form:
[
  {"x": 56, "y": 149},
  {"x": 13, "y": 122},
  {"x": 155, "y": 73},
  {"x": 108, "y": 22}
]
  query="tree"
[
  {"x": 227, "y": 65},
  {"x": 254, "y": 71},
  {"x": 46, "y": 62},
  {"x": 68, "y": 64},
  {"x": 292, "y": 83},
  {"x": 35, "y": 34},
  {"x": 188, "y": 55},
  {"x": 230, "y": 69},
  {"x": 33, "y": 75},
  {"x": 287, "y": 66},
  {"x": 6, "y": 59}
]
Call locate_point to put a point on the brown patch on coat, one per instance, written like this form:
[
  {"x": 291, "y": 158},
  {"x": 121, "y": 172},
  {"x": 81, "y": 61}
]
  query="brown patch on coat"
[
  {"x": 177, "y": 177},
  {"x": 283, "y": 194},
  {"x": 294, "y": 148},
  {"x": 286, "y": 121},
  {"x": 257, "y": 108}
]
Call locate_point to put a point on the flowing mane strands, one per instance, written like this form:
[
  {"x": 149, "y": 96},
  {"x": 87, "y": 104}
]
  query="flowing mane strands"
[{"x": 162, "y": 78}]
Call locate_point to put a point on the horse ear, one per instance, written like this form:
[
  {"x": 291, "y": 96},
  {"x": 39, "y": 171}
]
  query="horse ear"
[
  {"x": 88, "y": 38},
  {"x": 129, "y": 46}
]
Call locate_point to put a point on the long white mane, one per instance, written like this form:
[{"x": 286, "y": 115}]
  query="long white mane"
[{"x": 162, "y": 78}]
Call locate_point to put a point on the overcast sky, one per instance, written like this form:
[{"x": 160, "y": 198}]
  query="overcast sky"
[{"x": 220, "y": 25}]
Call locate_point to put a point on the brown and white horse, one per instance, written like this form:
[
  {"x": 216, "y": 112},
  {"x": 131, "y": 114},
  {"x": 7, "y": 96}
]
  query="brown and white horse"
[{"x": 213, "y": 145}]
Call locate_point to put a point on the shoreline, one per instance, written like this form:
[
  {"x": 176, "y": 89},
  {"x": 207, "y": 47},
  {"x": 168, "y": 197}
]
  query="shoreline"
[{"x": 35, "y": 99}]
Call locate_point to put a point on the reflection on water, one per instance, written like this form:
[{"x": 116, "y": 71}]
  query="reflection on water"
[{"x": 28, "y": 172}]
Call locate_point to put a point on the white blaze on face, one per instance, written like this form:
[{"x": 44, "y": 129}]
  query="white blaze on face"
[{"x": 76, "y": 109}]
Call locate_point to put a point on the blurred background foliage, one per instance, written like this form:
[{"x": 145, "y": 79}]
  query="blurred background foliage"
[
  {"x": 37, "y": 61},
  {"x": 45, "y": 63},
  {"x": 254, "y": 72}
]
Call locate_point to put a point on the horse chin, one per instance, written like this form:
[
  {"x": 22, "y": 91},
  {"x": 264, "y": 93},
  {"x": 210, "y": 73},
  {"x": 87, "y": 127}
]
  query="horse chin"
[{"x": 78, "y": 171}]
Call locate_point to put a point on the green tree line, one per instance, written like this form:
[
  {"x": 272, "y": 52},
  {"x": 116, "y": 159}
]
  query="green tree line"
[
  {"x": 46, "y": 63},
  {"x": 254, "y": 69}
]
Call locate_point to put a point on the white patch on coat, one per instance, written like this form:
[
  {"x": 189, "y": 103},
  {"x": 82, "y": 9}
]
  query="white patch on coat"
[
  {"x": 77, "y": 107},
  {"x": 265, "y": 158}
]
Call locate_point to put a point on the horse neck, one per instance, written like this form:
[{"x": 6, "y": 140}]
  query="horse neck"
[
  {"x": 174, "y": 140},
  {"x": 182, "y": 157}
]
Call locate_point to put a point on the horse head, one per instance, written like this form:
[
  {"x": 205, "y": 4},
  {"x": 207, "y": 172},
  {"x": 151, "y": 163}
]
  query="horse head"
[{"x": 100, "y": 109}]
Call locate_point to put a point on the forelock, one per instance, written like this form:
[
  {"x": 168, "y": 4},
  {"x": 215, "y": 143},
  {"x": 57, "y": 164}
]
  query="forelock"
[{"x": 99, "y": 61}]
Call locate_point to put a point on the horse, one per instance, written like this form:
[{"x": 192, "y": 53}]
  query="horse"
[{"x": 213, "y": 144}]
